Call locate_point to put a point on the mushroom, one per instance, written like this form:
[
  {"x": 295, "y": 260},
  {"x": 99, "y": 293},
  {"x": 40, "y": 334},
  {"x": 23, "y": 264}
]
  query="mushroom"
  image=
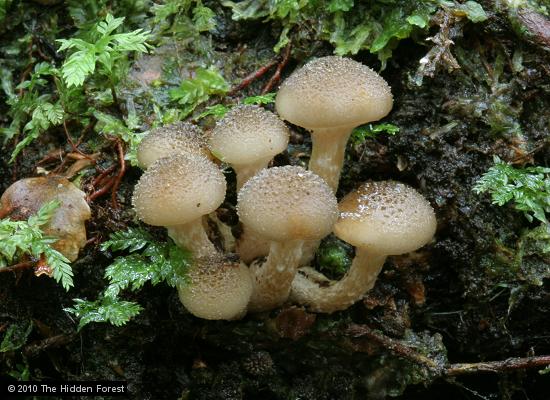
[
  {"x": 26, "y": 196},
  {"x": 285, "y": 205},
  {"x": 176, "y": 192},
  {"x": 330, "y": 96},
  {"x": 247, "y": 138},
  {"x": 379, "y": 219},
  {"x": 218, "y": 288},
  {"x": 178, "y": 138}
]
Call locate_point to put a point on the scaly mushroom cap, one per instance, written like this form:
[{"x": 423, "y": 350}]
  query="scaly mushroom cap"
[
  {"x": 331, "y": 92},
  {"x": 26, "y": 196},
  {"x": 218, "y": 289},
  {"x": 178, "y": 189},
  {"x": 287, "y": 203},
  {"x": 385, "y": 217},
  {"x": 248, "y": 133},
  {"x": 178, "y": 138}
]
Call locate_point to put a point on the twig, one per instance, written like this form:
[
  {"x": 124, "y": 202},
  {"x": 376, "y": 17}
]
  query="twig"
[
  {"x": 73, "y": 145},
  {"x": 510, "y": 364},
  {"x": 102, "y": 191},
  {"x": 277, "y": 75},
  {"x": 392, "y": 345},
  {"x": 457, "y": 369},
  {"x": 19, "y": 266},
  {"x": 35, "y": 348},
  {"x": 121, "y": 173},
  {"x": 253, "y": 76},
  {"x": 101, "y": 177}
]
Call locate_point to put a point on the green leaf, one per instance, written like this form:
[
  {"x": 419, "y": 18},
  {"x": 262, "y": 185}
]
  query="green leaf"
[
  {"x": 133, "y": 239},
  {"x": 18, "y": 238},
  {"x": 263, "y": 99},
  {"x": 364, "y": 132},
  {"x": 528, "y": 188},
  {"x": 78, "y": 67},
  {"x": 340, "y": 5},
  {"x": 106, "y": 309},
  {"x": 218, "y": 111},
  {"x": 473, "y": 11},
  {"x": 194, "y": 91},
  {"x": 109, "y": 25},
  {"x": 45, "y": 213},
  {"x": 204, "y": 18},
  {"x": 16, "y": 336}
]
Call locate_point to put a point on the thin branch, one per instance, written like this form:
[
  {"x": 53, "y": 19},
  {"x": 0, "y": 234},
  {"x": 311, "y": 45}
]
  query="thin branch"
[
  {"x": 510, "y": 364},
  {"x": 400, "y": 349},
  {"x": 252, "y": 77},
  {"x": 100, "y": 192},
  {"x": 121, "y": 172},
  {"x": 277, "y": 75},
  {"x": 392, "y": 345},
  {"x": 19, "y": 266}
]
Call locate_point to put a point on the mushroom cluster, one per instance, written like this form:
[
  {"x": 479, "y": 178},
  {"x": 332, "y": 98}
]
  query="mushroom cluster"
[{"x": 284, "y": 212}]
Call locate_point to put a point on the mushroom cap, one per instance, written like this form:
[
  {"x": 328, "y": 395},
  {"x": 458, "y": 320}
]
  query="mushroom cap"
[
  {"x": 178, "y": 138},
  {"x": 248, "y": 133},
  {"x": 178, "y": 189},
  {"x": 331, "y": 92},
  {"x": 27, "y": 196},
  {"x": 386, "y": 217},
  {"x": 218, "y": 289},
  {"x": 287, "y": 203}
]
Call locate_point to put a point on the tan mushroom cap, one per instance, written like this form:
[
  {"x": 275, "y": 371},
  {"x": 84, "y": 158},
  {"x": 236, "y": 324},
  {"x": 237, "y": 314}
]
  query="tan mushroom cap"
[
  {"x": 178, "y": 189},
  {"x": 178, "y": 138},
  {"x": 287, "y": 203},
  {"x": 27, "y": 196},
  {"x": 332, "y": 92},
  {"x": 248, "y": 133},
  {"x": 386, "y": 217},
  {"x": 218, "y": 289}
]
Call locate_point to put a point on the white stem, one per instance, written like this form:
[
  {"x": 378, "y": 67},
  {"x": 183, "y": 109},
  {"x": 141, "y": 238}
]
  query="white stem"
[
  {"x": 273, "y": 278},
  {"x": 359, "y": 279},
  {"x": 309, "y": 250},
  {"x": 246, "y": 171},
  {"x": 327, "y": 153},
  {"x": 250, "y": 246},
  {"x": 192, "y": 236}
]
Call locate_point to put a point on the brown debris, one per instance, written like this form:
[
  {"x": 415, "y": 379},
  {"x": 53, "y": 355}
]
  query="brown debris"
[{"x": 294, "y": 322}]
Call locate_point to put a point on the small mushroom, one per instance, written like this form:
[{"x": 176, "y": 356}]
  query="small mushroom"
[
  {"x": 330, "y": 96},
  {"x": 176, "y": 192},
  {"x": 26, "y": 196},
  {"x": 379, "y": 219},
  {"x": 178, "y": 138},
  {"x": 218, "y": 289},
  {"x": 247, "y": 138},
  {"x": 287, "y": 206}
]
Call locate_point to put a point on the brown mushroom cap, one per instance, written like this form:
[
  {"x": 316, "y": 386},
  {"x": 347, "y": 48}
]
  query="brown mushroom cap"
[
  {"x": 218, "y": 289},
  {"x": 287, "y": 203},
  {"x": 331, "y": 92},
  {"x": 386, "y": 217},
  {"x": 27, "y": 196},
  {"x": 178, "y": 189},
  {"x": 178, "y": 138},
  {"x": 248, "y": 133}
]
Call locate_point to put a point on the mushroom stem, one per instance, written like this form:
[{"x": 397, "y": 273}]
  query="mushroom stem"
[
  {"x": 251, "y": 246},
  {"x": 340, "y": 295},
  {"x": 327, "y": 153},
  {"x": 246, "y": 171},
  {"x": 273, "y": 278},
  {"x": 193, "y": 237}
]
